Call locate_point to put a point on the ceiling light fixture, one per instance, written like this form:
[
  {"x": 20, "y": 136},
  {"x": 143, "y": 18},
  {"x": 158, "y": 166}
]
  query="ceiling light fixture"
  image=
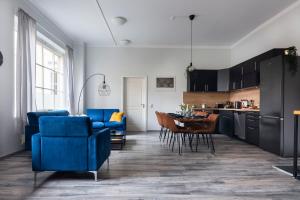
[
  {"x": 118, "y": 21},
  {"x": 124, "y": 42}
]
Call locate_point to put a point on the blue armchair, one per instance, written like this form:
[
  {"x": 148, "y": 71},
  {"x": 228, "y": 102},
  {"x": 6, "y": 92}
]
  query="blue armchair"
[
  {"x": 100, "y": 119},
  {"x": 69, "y": 144},
  {"x": 33, "y": 124}
]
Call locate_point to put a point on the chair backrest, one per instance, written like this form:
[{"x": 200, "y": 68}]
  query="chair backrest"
[
  {"x": 65, "y": 126},
  {"x": 159, "y": 118},
  {"x": 213, "y": 118},
  {"x": 33, "y": 117},
  {"x": 169, "y": 122}
]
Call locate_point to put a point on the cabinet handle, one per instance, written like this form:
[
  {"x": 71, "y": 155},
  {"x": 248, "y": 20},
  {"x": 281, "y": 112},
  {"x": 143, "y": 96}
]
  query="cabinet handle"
[
  {"x": 241, "y": 83},
  {"x": 207, "y": 87},
  {"x": 251, "y": 128},
  {"x": 255, "y": 66}
]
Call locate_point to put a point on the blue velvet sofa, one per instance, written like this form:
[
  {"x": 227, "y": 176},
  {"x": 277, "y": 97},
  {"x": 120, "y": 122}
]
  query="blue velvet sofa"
[
  {"x": 100, "y": 119},
  {"x": 33, "y": 123},
  {"x": 69, "y": 144}
]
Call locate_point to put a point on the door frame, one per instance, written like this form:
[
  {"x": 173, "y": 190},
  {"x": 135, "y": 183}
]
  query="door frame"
[{"x": 145, "y": 78}]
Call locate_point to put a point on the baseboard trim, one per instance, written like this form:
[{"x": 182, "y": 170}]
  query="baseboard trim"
[{"x": 11, "y": 154}]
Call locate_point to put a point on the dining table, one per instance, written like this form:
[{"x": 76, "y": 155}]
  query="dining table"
[{"x": 189, "y": 120}]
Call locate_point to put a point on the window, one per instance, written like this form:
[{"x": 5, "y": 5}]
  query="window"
[{"x": 49, "y": 71}]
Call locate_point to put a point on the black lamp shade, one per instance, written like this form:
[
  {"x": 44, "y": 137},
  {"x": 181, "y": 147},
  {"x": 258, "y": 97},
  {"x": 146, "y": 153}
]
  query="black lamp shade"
[{"x": 1, "y": 58}]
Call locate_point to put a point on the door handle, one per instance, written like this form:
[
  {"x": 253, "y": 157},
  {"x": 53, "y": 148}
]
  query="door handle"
[
  {"x": 143, "y": 105},
  {"x": 270, "y": 117}
]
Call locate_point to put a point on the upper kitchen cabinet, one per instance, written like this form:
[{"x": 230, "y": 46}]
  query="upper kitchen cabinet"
[
  {"x": 251, "y": 77},
  {"x": 243, "y": 75},
  {"x": 203, "y": 81},
  {"x": 236, "y": 77},
  {"x": 223, "y": 80}
]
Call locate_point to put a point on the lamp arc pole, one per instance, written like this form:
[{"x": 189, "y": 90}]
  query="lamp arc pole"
[{"x": 84, "y": 84}]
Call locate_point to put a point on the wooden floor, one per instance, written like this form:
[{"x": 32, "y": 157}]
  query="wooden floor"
[{"x": 147, "y": 169}]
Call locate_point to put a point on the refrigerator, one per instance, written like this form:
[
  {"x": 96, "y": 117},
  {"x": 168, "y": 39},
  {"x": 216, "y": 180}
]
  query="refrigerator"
[{"x": 279, "y": 96}]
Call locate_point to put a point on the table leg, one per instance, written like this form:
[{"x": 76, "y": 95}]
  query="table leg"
[{"x": 295, "y": 165}]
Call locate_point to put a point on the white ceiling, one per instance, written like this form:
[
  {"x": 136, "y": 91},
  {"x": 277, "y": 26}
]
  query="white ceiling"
[{"x": 221, "y": 22}]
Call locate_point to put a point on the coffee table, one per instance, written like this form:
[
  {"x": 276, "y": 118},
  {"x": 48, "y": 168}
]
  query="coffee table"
[{"x": 118, "y": 138}]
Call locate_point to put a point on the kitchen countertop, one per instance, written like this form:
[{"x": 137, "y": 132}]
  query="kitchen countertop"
[{"x": 230, "y": 109}]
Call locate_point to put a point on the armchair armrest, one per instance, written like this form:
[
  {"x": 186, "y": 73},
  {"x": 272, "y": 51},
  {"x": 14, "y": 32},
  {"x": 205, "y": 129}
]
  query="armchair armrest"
[
  {"x": 99, "y": 145},
  {"x": 124, "y": 122},
  {"x": 36, "y": 152},
  {"x": 29, "y": 131}
]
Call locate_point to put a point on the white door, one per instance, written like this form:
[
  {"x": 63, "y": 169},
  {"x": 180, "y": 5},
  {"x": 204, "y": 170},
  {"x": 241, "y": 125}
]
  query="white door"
[{"x": 135, "y": 95}]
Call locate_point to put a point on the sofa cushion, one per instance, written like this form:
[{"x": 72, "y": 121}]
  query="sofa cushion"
[
  {"x": 116, "y": 117},
  {"x": 98, "y": 125},
  {"x": 108, "y": 113},
  {"x": 33, "y": 117},
  {"x": 113, "y": 124},
  {"x": 96, "y": 115},
  {"x": 65, "y": 126}
]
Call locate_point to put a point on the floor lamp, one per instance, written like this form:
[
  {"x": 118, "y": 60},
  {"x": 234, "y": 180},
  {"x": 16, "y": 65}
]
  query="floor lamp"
[{"x": 103, "y": 88}]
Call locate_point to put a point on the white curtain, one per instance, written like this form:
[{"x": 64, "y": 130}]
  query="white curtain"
[
  {"x": 25, "y": 68},
  {"x": 70, "y": 80}
]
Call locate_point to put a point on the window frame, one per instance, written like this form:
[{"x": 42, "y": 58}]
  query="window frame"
[{"x": 56, "y": 52}]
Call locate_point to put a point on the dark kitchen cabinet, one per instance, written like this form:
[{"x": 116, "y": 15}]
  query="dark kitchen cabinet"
[
  {"x": 203, "y": 81},
  {"x": 223, "y": 80},
  {"x": 251, "y": 74},
  {"x": 236, "y": 77},
  {"x": 243, "y": 75},
  {"x": 252, "y": 128},
  {"x": 226, "y": 122}
]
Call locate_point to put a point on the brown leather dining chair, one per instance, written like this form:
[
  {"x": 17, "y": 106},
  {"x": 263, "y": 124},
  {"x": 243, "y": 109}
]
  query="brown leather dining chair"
[
  {"x": 208, "y": 128},
  {"x": 176, "y": 132},
  {"x": 160, "y": 122}
]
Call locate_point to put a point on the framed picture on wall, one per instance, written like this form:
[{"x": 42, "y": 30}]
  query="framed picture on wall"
[{"x": 165, "y": 83}]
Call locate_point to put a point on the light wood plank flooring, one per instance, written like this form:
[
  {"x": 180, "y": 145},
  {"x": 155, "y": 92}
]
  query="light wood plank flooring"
[{"x": 147, "y": 169}]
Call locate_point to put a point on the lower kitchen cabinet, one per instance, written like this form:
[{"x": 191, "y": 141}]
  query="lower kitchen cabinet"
[
  {"x": 226, "y": 123},
  {"x": 252, "y": 128},
  {"x": 243, "y": 125}
]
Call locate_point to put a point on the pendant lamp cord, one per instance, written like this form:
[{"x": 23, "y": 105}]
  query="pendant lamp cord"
[{"x": 191, "y": 42}]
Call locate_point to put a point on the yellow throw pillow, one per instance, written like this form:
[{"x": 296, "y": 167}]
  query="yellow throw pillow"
[{"x": 116, "y": 117}]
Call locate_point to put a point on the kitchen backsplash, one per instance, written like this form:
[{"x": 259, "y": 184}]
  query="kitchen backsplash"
[
  {"x": 247, "y": 94},
  {"x": 211, "y": 98}
]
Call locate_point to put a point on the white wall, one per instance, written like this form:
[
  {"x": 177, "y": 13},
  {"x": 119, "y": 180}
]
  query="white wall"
[
  {"x": 150, "y": 62},
  {"x": 79, "y": 73},
  {"x": 281, "y": 31},
  {"x": 10, "y": 139}
]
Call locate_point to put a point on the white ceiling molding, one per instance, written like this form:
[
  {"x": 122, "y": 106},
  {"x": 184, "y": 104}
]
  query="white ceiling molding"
[{"x": 268, "y": 22}]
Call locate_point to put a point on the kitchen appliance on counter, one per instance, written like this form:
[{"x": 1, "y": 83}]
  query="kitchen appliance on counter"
[
  {"x": 237, "y": 104},
  {"x": 220, "y": 105},
  {"x": 228, "y": 104},
  {"x": 245, "y": 103}
]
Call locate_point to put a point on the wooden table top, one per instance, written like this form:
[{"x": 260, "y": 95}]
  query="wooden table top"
[{"x": 189, "y": 119}]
